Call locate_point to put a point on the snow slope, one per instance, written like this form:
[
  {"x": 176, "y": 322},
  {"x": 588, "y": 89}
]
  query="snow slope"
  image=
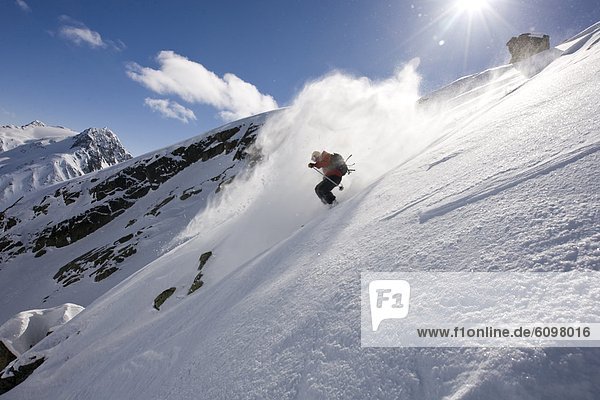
[
  {"x": 27, "y": 328},
  {"x": 36, "y": 155},
  {"x": 503, "y": 179},
  {"x": 15, "y": 136}
]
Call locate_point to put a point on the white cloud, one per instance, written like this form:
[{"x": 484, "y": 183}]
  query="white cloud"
[
  {"x": 192, "y": 82},
  {"x": 79, "y": 34},
  {"x": 82, "y": 35},
  {"x": 23, "y": 6},
  {"x": 170, "y": 109},
  {"x": 118, "y": 45}
]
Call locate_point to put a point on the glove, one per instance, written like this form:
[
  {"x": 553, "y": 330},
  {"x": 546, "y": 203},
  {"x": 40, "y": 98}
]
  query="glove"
[{"x": 311, "y": 165}]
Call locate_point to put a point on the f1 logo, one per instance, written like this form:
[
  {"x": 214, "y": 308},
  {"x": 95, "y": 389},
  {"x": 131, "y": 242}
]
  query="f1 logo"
[{"x": 389, "y": 299}]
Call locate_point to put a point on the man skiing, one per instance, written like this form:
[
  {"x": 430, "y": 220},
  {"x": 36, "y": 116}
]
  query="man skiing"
[{"x": 332, "y": 174}]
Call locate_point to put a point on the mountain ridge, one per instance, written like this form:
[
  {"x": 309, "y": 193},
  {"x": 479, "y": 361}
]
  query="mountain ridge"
[{"x": 70, "y": 217}]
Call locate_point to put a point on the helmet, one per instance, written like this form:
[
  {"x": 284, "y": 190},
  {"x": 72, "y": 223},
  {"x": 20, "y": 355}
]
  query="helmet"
[{"x": 315, "y": 155}]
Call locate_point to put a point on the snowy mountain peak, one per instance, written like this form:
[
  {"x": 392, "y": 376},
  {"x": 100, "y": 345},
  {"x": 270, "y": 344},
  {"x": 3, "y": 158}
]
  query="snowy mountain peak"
[
  {"x": 36, "y": 155},
  {"x": 34, "y": 123},
  {"x": 98, "y": 132},
  {"x": 12, "y": 136},
  {"x": 102, "y": 146},
  {"x": 100, "y": 136}
]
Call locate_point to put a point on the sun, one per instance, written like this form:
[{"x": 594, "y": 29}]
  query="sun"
[{"x": 471, "y": 6}]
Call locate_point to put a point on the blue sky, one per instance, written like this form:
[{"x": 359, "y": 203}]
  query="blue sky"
[{"x": 158, "y": 72}]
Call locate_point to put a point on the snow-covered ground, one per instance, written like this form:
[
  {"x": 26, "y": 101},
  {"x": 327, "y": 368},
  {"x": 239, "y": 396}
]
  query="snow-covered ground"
[
  {"x": 496, "y": 180},
  {"x": 15, "y": 136},
  {"x": 27, "y": 328}
]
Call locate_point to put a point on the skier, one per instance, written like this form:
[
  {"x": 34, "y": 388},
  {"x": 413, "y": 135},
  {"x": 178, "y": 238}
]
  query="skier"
[{"x": 333, "y": 171}]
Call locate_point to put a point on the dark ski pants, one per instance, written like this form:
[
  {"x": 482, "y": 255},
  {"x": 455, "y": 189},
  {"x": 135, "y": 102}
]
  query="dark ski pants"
[{"x": 324, "y": 188}]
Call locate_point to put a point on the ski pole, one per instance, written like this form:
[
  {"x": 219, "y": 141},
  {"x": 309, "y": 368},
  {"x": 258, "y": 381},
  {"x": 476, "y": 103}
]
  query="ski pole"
[{"x": 338, "y": 185}]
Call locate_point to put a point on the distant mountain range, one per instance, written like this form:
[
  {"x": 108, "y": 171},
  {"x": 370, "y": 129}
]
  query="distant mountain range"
[{"x": 35, "y": 155}]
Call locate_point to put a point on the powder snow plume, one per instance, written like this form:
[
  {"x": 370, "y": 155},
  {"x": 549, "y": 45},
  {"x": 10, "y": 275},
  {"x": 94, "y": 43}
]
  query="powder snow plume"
[{"x": 376, "y": 121}]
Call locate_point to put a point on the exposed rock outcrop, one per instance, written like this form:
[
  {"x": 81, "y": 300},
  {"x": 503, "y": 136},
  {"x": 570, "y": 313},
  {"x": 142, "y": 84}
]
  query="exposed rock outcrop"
[
  {"x": 197, "y": 284},
  {"x": 6, "y": 356},
  {"x": 13, "y": 376},
  {"x": 162, "y": 297},
  {"x": 526, "y": 45}
]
